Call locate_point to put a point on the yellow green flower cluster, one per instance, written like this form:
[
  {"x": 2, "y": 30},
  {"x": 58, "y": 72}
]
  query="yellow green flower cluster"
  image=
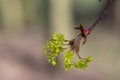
[{"x": 54, "y": 47}]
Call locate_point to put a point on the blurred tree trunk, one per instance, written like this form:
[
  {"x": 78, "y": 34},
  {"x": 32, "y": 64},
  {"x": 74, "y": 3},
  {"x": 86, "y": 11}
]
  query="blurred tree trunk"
[
  {"x": 117, "y": 17},
  {"x": 30, "y": 12},
  {"x": 12, "y": 14},
  {"x": 61, "y": 17}
]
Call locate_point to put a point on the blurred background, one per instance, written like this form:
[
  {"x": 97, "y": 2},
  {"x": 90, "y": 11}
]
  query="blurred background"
[{"x": 26, "y": 24}]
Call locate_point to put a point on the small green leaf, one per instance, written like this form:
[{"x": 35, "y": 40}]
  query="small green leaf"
[
  {"x": 54, "y": 62},
  {"x": 44, "y": 52},
  {"x": 89, "y": 58}
]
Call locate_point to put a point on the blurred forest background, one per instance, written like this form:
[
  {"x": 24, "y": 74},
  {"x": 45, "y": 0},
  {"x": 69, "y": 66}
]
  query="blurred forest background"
[{"x": 26, "y": 24}]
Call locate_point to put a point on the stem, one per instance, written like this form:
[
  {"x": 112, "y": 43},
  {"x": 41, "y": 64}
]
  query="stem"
[
  {"x": 104, "y": 12},
  {"x": 79, "y": 56}
]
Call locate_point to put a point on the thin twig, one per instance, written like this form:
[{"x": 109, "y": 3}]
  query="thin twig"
[{"x": 104, "y": 12}]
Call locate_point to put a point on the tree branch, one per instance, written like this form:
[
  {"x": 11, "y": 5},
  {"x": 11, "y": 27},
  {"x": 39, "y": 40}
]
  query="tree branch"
[{"x": 104, "y": 12}]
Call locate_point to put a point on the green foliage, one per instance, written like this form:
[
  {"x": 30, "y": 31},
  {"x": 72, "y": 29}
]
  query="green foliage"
[
  {"x": 89, "y": 58},
  {"x": 68, "y": 56},
  {"x": 54, "y": 47},
  {"x": 83, "y": 63}
]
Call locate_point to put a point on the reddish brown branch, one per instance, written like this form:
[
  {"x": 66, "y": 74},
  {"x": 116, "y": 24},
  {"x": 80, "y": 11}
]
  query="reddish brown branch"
[
  {"x": 75, "y": 42},
  {"x": 104, "y": 12}
]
